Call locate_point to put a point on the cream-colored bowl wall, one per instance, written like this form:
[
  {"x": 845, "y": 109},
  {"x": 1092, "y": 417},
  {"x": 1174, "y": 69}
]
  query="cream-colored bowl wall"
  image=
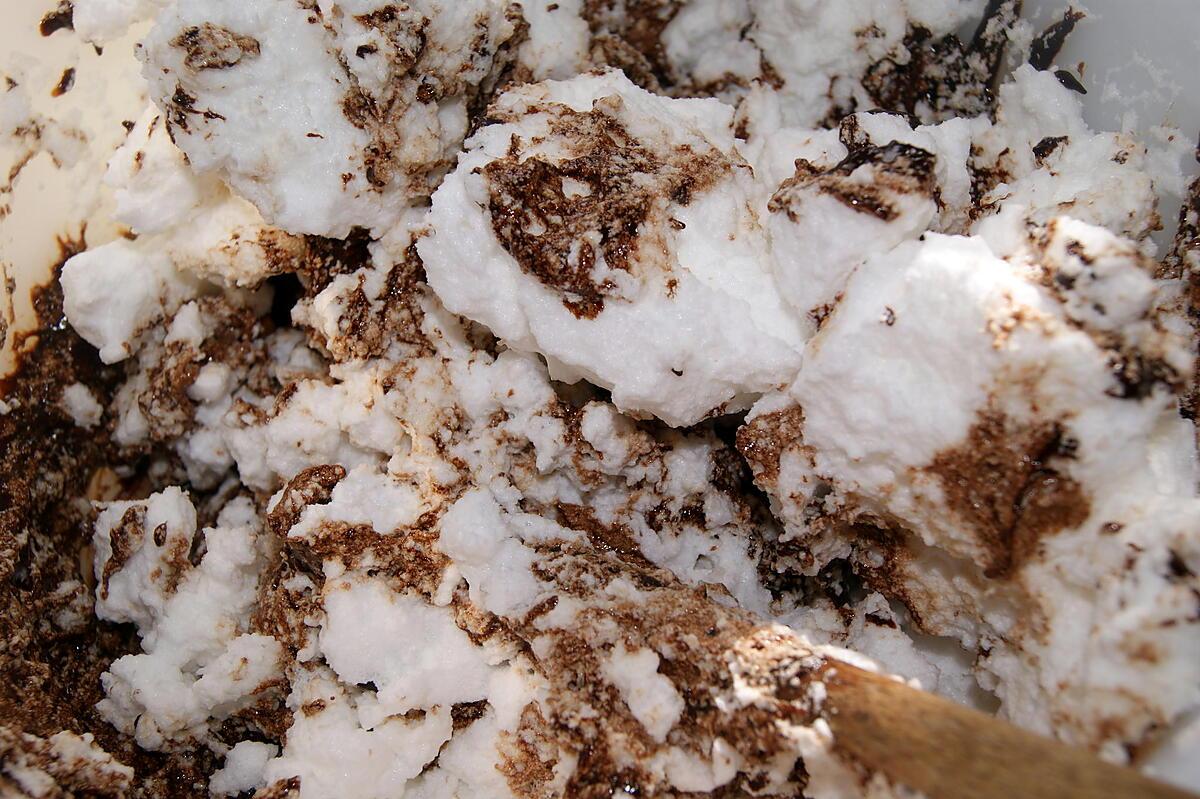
[{"x": 46, "y": 200}]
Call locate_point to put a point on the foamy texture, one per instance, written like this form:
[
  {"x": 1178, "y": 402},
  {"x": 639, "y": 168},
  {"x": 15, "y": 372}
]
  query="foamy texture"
[
  {"x": 465, "y": 529},
  {"x": 365, "y": 102},
  {"x": 682, "y": 319},
  {"x": 1021, "y": 481}
]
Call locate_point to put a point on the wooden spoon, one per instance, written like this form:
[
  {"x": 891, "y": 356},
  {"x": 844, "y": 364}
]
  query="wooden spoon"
[{"x": 946, "y": 750}]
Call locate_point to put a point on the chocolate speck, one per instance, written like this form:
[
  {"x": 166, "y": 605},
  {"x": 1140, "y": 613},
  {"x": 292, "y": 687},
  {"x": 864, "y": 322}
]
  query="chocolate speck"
[
  {"x": 280, "y": 789},
  {"x": 124, "y": 538},
  {"x": 1043, "y": 149},
  {"x": 61, "y": 18},
  {"x": 210, "y": 46},
  {"x": 881, "y": 621},
  {"x": 763, "y": 440},
  {"x": 1070, "y": 81},
  {"x": 181, "y": 105},
  {"x": 65, "y": 83},
  {"x": 1177, "y": 568},
  {"x": 557, "y": 234},
  {"x": 820, "y": 314},
  {"x": 1138, "y": 376},
  {"x": 463, "y": 714},
  {"x": 1003, "y": 482},
  {"x": 1049, "y": 42},
  {"x": 900, "y": 169}
]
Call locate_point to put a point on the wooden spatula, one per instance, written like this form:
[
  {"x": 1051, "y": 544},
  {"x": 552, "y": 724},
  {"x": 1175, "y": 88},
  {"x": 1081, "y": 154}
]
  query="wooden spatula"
[{"x": 948, "y": 751}]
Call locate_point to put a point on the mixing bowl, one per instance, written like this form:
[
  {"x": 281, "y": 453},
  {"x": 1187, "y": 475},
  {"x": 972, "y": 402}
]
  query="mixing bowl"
[{"x": 1137, "y": 60}]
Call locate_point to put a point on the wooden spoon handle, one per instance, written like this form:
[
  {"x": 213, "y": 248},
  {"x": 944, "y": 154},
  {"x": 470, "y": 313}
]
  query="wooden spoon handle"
[{"x": 949, "y": 751}]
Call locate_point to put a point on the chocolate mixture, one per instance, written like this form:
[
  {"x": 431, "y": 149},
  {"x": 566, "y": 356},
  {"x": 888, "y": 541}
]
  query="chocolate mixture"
[
  {"x": 558, "y": 219},
  {"x": 899, "y": 168},
  {"x": 1006, "y": 485},
  {"x": 55, "y": 649}
]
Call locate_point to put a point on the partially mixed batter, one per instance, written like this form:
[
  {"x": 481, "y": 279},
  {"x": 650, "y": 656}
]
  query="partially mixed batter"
[{"x": 494, "y": 399}]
